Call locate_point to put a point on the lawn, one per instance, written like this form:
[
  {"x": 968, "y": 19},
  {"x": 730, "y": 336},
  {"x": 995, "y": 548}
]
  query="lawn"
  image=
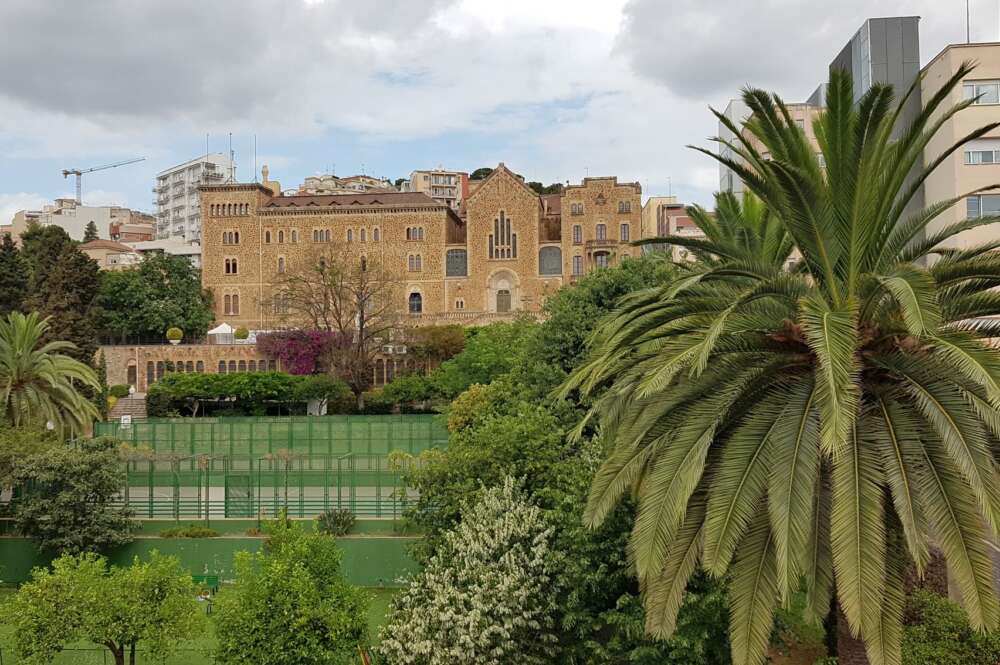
[{"x": 197, "y": 653}]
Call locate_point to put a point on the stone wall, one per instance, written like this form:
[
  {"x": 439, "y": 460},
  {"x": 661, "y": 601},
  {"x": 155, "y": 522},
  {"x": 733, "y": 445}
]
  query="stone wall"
[{"x": 140, "y": 366}]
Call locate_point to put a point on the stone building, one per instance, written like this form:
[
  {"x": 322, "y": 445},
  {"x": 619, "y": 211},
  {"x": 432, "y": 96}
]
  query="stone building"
[
  {"x": 503, "y": 252},
  {"x": 142, "y": 366}
]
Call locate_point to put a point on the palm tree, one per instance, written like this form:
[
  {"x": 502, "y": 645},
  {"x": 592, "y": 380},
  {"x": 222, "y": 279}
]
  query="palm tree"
[
  {"x": 819, "y": 425},
  {"x": 38, "y": 382}
]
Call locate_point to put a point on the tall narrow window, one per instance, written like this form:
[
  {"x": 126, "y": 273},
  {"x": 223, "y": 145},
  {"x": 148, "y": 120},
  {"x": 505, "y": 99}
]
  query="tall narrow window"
[
  {"x": 361, "y": 235},
  {"x": 416, "y": 303},
  {"x": 326, "y": 235},
  {"x": 295, "y": 236},
  {"x": 577, "y": 234},
  {"x": 602, "y": 232},
  {"x": 503, "y": 241},
  {"x": 625, "y": 233},
  {"x": 251, "y": 365},
  {"x": 242, "y": 367},
  {"x": 281, "y": 236},
  {"x": 267, "y": 237},
  {"x": 227, "y": 307},
  {"x": 375, "y": 234},
  {"x": 350, "y": 235},
  {"x": 232, "y": 366},
  {"x": 236, "y": 303},
  {"x": 222, "y": 367},
  {"x": 281, "y": 264},
  {"x": 577, "y": 265},
  {"x": 199, "y": 367}
]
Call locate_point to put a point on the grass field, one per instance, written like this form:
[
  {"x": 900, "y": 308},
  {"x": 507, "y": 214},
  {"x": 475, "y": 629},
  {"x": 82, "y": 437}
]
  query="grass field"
[{"x": 196, "y": 653}]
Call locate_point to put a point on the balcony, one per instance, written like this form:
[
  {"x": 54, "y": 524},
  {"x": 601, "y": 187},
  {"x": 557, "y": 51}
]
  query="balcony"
[{"x": 601, "y": 244}]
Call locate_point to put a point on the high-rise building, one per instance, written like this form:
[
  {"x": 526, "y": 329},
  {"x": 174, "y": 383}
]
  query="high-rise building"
[
  {"x": 977, "y": 163},
  {"x": 447, "y": 187},
  {"x": 331, "y": 184},
  {"x": 178, "y": 204}
]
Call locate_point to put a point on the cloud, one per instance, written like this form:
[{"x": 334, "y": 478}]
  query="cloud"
[{"x": 12, "y": 203}]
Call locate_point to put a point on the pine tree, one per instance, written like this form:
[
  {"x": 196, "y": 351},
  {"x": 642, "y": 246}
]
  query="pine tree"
[
  {"x": 90, "y": 233},
  {"x": 13, "y": 278},
  {"x": 101, "y": 395},
  {"x": 65, "y": 289}
]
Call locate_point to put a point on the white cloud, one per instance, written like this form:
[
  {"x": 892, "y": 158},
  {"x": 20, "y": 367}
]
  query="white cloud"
[{"x": 12, "y": 203}]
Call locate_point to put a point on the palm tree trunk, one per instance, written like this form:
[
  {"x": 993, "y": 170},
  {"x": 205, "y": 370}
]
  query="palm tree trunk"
[{"x": 850, "y": 650}]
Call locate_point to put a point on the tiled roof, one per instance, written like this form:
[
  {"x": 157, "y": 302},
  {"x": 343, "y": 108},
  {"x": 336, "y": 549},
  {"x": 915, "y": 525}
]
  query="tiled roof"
[
  {"x": 106, "y": 244},
  {"x": 386, "y": 199}
]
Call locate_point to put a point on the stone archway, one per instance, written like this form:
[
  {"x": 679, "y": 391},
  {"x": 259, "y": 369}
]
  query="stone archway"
[{"x": 502, "y": 292}]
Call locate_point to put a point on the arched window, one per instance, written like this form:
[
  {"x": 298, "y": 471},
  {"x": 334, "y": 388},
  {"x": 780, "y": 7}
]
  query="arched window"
[
  {"x": 456, "y": 263},
  {"x": 199, "y": 366},
  {"x": 189, "y": 366},
  {"x": 316, "y": 235},
  {"x": 231, "y": 267},
  {"x": 272, "y": 365},
  {"x": 375, "y": 234},
  {"x": 150, "y": 373},
  {"x": 251, "y": 365},
  {"x": 281, "y": 237},
  {"x": 242, "y": 366},
  {"x": 361, "y": 235},
  {"x": 350, "y": 235},
  {"x": 420, "y": 265},
  {"x": 326, "y": 235},
  {"x": 550, "y": 261},
  {"x": 236, "y": 303},
  {"x": 625, "y": 233},
  {"x": 295, "y": 236},
  {"x": 390, "y": 371},
  {"x": 503, "y": 241},
  {"x": 409, "y": 233},
  {"x": 267, "y": 237},
  {"x": 411, "y": 263},
  {"x": 232, "y": 366},
  {"x": 236, "y": 241},
  {"x": 222, "y": 367},
  {"x": 227, "y": 307},
  {"x": 281, "y": 264},
  {"x": 503, "y": 300},
  {"x": 416, "y": 303},
  {"x": 577, "y": 234},
  {"x": 602, "y": 232},
  {"x": 159, "y": 370}
]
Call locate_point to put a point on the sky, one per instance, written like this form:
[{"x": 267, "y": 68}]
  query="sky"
[{"x": 555, "y": 89}]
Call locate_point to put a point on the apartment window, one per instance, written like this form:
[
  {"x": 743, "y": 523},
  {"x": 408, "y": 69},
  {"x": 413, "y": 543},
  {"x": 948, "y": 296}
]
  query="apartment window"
[
  {"x": 602, "y": 232},
  {"x": 982, "y": 156},
  {"x": 232, "y": 268},
  {"x": 625, "y": 233},
  {"x": 414, "y": 263},
  {"x": 456, "y": 263},
  {"x": 577, "y": 265},
  {"x": 982, "y": 206},
  {"x": 624, "y": 206},
  {"x": 983, "y": 92},
  {"x": 577, "y": 234},
  {"x": 503, "y": 241},
  {"x": 550, "y": 261}
]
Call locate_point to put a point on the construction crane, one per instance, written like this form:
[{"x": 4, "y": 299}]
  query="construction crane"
[{"x": 79, "y": 172}]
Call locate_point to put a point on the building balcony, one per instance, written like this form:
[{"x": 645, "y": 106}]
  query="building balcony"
[
  {"x": 468, "y": 317},
  {"x": 602, "y": 244}
]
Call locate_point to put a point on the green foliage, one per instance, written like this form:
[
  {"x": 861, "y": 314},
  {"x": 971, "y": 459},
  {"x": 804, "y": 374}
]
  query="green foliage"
[
  {"x": 490, "y": 351},
  {"x": 62, "y": 284},
  {"x": 815, "y": 397},
  {"x": 13, "y": 277},
  {"x": 189, "y": 531},
  {"x": 161, "y": 292},
  {"x": 120, "y": 390},
  {"x": 290, "y": 604},
  {"x": 481, "y": 173},
  {"x": 322, "y": 387},
  {"x": 241, "y": 333},
  {"x": 435, "y": 344},
  {"x": 149, "y": 604},
  {"x": 19, "y": 443},
  {"x": 69, "y": 491},
  {"x": 937, "y": 632},
  {"x": 375, "y": 403},
  {"x": 539, "y": 188},
  {"x": 487, "y": 596},
  {"x": 175, "y": 334},
  {"x": 409, "y": 389},
  {"x": 90, "y": 233},
  {"x": 103, "y": 392},
  {"x": 250, "y": 392},
  {"x": 335, "y": 522},
  {"x": 39, "y": 381}
]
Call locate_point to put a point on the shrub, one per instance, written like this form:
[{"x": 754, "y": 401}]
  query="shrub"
[
  {"x": 241, "y": 333},
  {"x": 189, "y": 531},
  {"x": 376, "y": 403},
  {"x": 337, "y": 522},
  {"x": 121, "y": 390},
  {"x": 175, "y": 334},
  {"x": 937, "y": 632},
  {"x": 300, "y": 351},
  {"x": 321, "y": 387},
  {"x": 408, "y": 389}
]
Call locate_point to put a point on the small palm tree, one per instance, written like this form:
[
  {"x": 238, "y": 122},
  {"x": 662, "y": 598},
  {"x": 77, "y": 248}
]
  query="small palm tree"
[
  {"x": 811, "y": 405},
  {"x": 38, "y": 383}
]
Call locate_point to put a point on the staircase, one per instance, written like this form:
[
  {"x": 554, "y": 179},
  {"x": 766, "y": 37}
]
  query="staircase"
[{"x": 134, "y": 405}]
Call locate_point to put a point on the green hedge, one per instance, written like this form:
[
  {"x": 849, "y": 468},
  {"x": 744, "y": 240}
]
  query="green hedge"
[{"x": 249, "y": 393}]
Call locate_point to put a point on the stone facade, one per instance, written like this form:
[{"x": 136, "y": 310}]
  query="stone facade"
[
  {"x": 502, "y": 253},
  {"x": 600, "y": 217},
  {"x": 142, "y": 366}
]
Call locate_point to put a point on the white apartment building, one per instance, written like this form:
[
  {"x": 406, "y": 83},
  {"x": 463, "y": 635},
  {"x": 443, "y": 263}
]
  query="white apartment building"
[
  {"x": 443, "y": 186},
  {"x": 178, "y": 206},
  {"x": 74, "y": 219},
  {"x": 355, "y": 184}
]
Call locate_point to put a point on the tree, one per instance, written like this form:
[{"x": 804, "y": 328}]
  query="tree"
[
  {"x": 103, "y": 392},
  {"x": 13, "y": 278},
  {"x": 489, "y": 352},
  {"x": 299, "y": 351},
  {"x": 38, "y": 382},
  {"x": 290, "y": 604},
  {"x": 90, "y": 233},
  {"x": 432, "y": 345},
  {"x": 68, "y": 504},
  {"x": 937, "y": 632},
  {"x": 486, "y": 596},
  {"x": 540, "y": 189},
  {"x": 63, "y": 286},
  {"x": 357, "y": 301},
  {"x": 787, "y": 426},
  {"x": 150, "y": 603},
  {"x": 398, "y": 182},
  {"x": 163, "y": 291},
  {"x": 481, "y": 173}
]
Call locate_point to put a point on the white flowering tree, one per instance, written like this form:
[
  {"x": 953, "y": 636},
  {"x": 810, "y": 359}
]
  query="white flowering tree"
[{"x": 487, "y": 597}]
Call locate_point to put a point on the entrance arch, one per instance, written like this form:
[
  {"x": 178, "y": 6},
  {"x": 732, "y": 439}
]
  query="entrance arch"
[{"x": 502, "y": 292}]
